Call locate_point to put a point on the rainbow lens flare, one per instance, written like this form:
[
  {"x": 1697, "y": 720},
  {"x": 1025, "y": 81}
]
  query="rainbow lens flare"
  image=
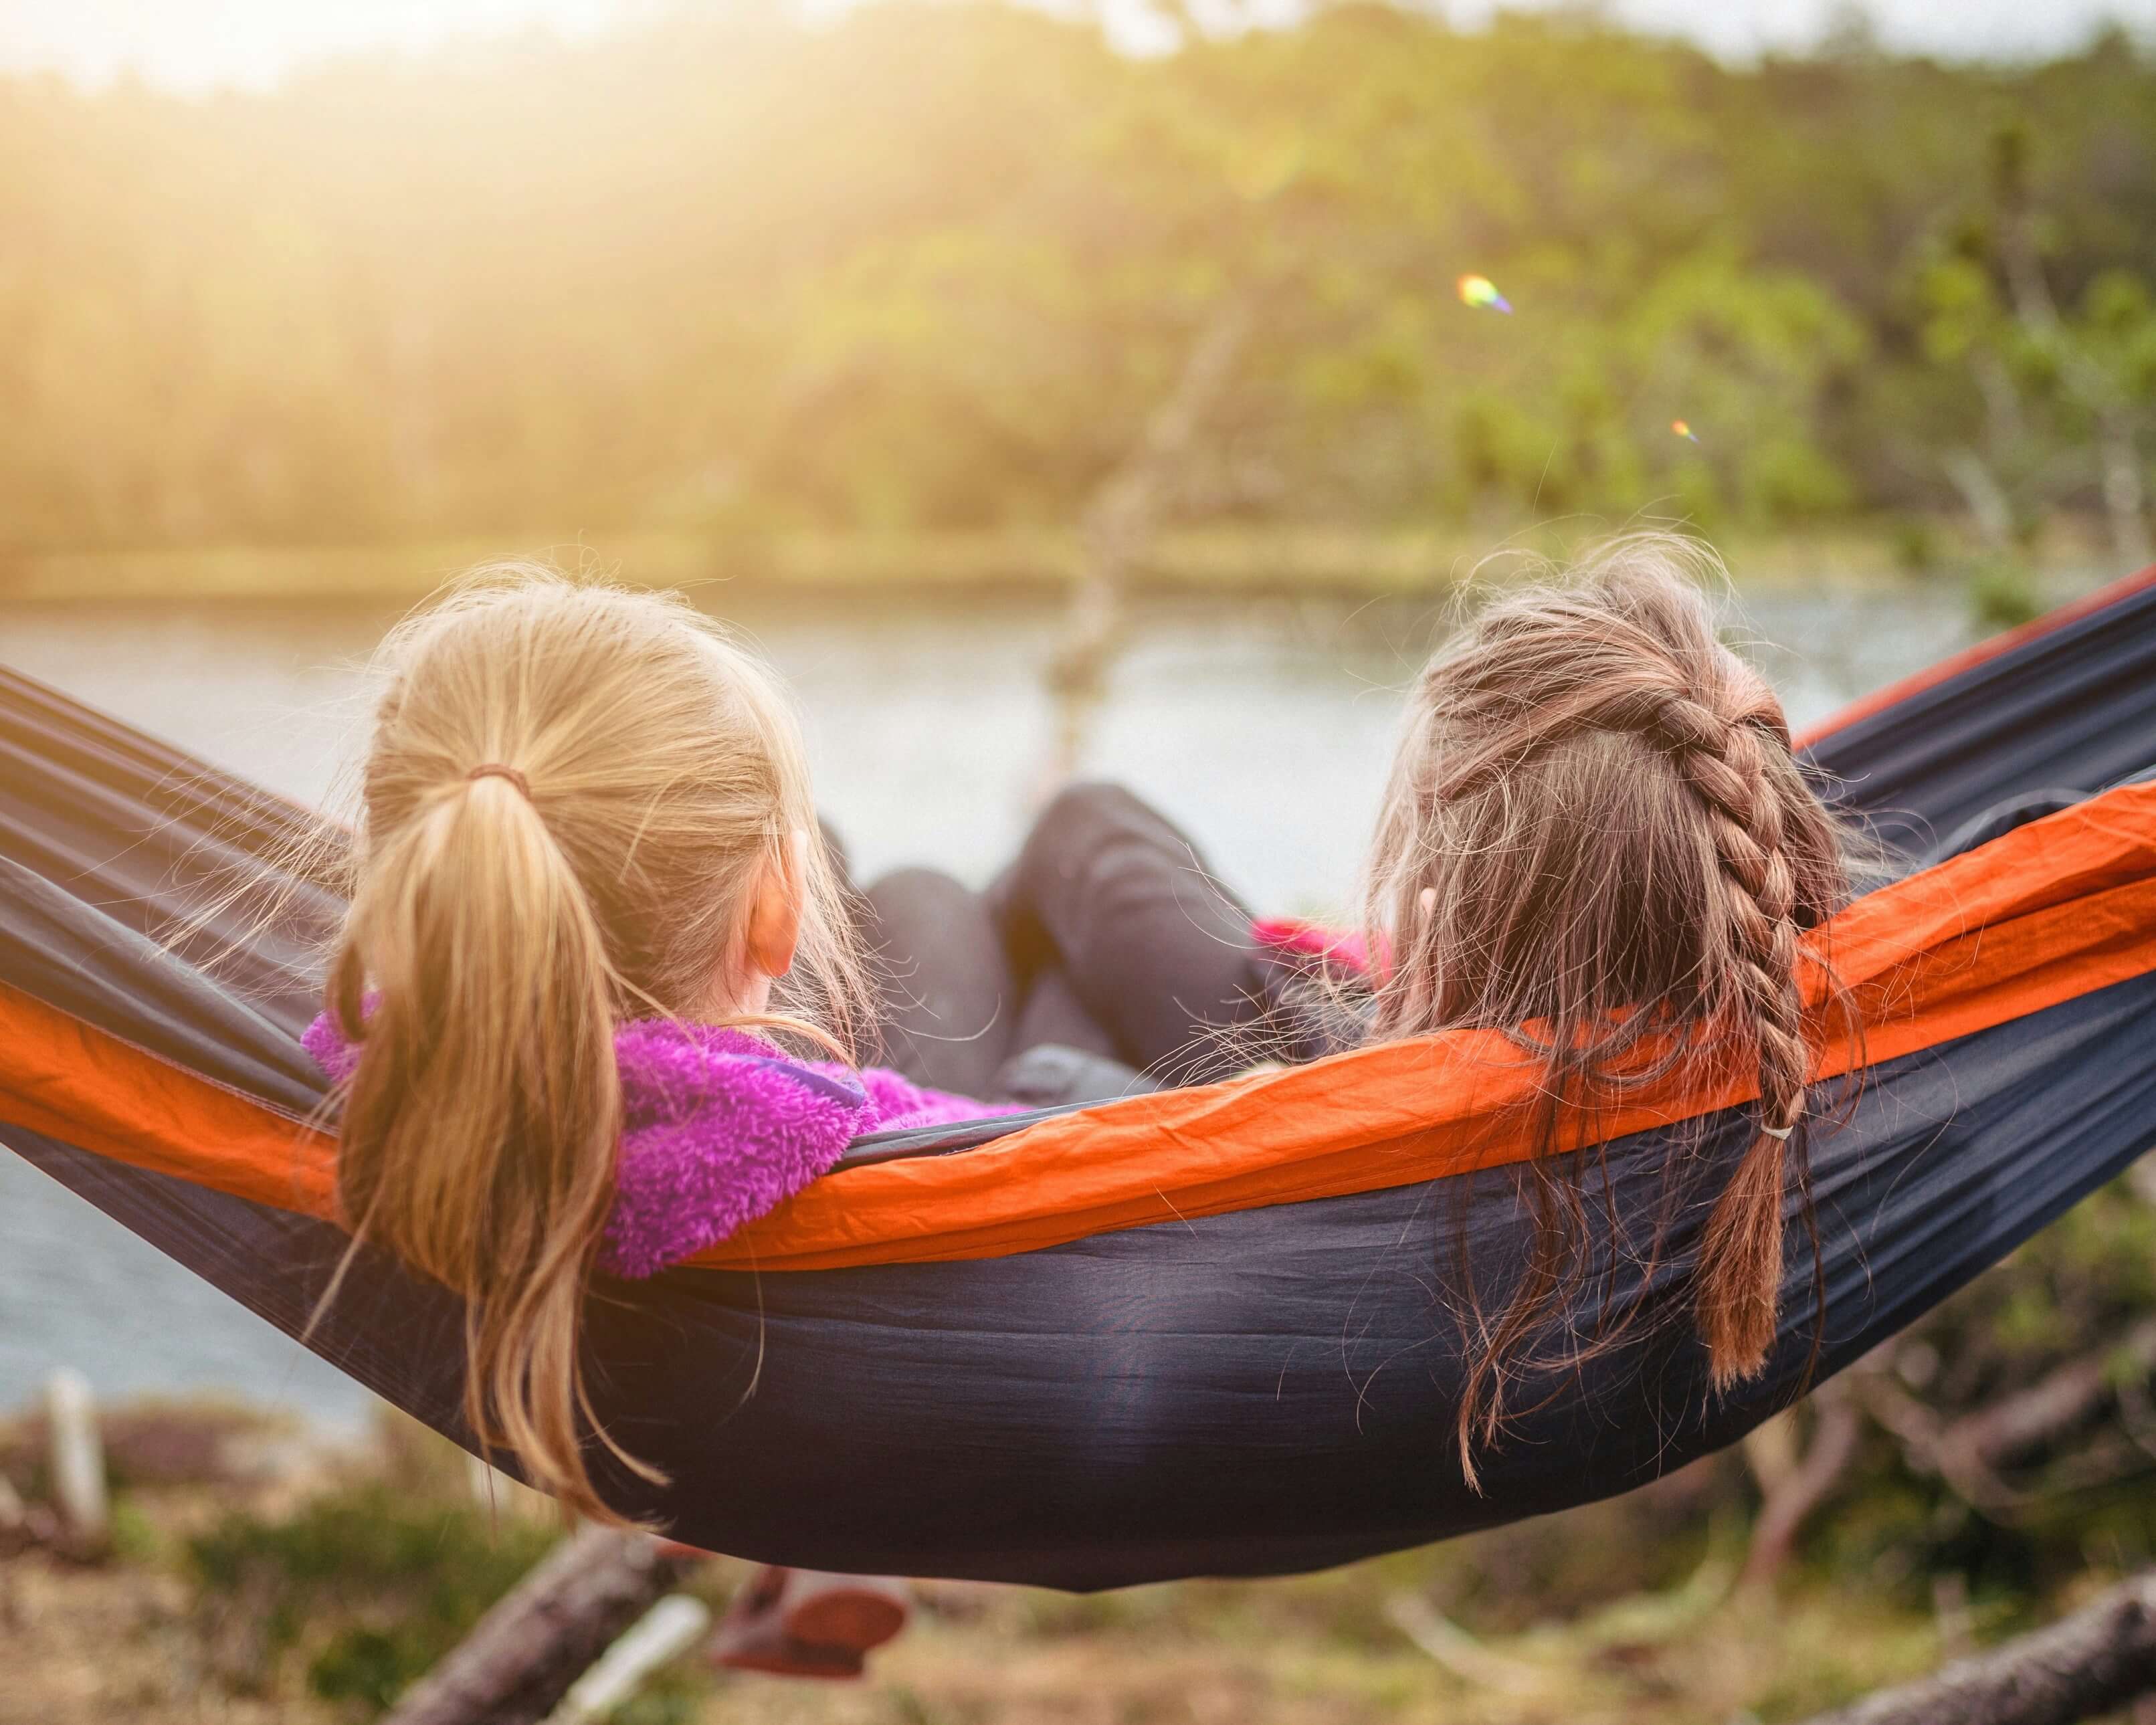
[
  {"x": 1681, "y": 429},
  {"x": 1480, "y": 292}
]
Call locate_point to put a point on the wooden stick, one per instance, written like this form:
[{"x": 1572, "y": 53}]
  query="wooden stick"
[
  {"x": 1459, "y": 1652},
  {"x": 77, "y": 1457},
  {"x": 525, "y": 1654},
  {"x": 661, "y": 1636},
  {"x": 2093, "y": 1662}
]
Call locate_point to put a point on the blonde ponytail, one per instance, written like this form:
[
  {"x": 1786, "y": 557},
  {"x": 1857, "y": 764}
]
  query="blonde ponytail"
[
  {"x": 492, "y": 1033},
  {"x": 571, "y": 791}
]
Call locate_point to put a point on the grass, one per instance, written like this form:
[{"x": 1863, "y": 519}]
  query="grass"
[
  {"x": 367, "y": 1585},
  {"x": 316, "y": 1604}
]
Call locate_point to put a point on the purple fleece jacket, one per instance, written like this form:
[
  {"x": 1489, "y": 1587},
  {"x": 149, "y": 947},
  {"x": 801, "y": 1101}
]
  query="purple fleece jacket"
[{"x": 717, "y": 1127}]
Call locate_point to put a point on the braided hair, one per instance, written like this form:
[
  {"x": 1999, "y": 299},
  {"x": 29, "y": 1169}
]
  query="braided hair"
[{"x": 1596, "y": 838}]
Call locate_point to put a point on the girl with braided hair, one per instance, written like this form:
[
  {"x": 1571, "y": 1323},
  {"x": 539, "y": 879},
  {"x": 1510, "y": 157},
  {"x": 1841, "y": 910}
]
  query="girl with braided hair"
[{"x": 1596, "y": 838}]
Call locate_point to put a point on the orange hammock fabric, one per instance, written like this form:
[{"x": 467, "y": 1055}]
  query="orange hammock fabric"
[{"x": 2055, "y": 910}]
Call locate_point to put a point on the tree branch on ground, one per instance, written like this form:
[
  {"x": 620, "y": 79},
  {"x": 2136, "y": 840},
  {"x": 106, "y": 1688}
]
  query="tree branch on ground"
[
  {"x": 2097, "y": 1660},
  {"x": 1459, "y": 1652},
  {"x": 526, "y": 1653}
]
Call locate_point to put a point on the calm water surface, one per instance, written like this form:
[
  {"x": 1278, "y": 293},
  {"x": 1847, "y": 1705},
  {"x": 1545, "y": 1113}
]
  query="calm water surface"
[{"x": 1262, "y": 726}]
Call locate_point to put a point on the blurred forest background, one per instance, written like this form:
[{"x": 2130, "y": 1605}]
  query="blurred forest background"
[
  {"x": 926, "y": 277},
  {"x": 927, "y": 270}
]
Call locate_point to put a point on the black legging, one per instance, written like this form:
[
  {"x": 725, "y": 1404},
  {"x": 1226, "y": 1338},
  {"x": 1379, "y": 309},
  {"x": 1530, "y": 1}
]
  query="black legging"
[
  {"x": 1109, "y": 935},
  {"x": 953, "y": 1008}
]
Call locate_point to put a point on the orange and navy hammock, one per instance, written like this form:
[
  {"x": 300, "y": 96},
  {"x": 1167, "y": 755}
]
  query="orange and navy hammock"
[{"x": 1213, "y": 1331}]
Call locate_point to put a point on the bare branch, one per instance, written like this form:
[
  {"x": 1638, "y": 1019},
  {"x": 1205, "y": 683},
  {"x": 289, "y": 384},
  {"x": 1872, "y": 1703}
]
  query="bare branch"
[
  {"x": 1921, "y": 1433},
  {"x": 2090, "y": 383},
  {"x": 1801, "y": 1489},
  {"x": 2005, "y": 426},
  {"x": 1982, "y": 493},
  {"x": 2017, "y": 1425},
  {"x": 1970, "y": 1452},
  {"x": 1121, "y": 520}
]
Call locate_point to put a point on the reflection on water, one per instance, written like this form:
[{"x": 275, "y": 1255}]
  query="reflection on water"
[{"x": 1262, "y": 726}]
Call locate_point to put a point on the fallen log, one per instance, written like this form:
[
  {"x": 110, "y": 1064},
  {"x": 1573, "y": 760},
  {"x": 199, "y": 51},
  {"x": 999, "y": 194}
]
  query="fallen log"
[
  {"x": 2094, "y": 1662},
  {"x": 525, "y": 1654}
]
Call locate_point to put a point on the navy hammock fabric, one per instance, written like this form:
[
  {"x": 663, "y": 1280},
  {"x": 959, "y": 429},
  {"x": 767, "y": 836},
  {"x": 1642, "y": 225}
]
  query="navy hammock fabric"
[{"x": 1258, "y": 1386}]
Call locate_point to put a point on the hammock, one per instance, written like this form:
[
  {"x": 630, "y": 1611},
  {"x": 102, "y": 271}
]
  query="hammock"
[{"x": 1199, "y": 1332}]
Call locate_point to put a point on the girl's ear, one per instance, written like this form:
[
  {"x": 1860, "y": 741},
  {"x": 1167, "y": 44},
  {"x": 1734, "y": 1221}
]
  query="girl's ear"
[{"x": 774, "y": 917}]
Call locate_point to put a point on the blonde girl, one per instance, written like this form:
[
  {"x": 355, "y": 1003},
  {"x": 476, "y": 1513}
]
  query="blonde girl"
[{"x": 586, "y": 853}]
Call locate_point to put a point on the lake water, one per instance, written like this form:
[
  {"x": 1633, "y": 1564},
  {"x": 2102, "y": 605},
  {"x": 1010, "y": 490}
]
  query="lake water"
[{"x": 1262, "y": 726}]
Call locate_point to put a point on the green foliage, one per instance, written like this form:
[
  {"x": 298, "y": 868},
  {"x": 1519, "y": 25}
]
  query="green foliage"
[
  {"x": 673, "y": 1697},
  {"x": 135, "y": 1536},
  {"x": 1915, "y": 543},
  {"x": 373, "y": 1667},
  {"x": 2078, "y": 1501},
  {"x": 371, "y": 1584},
  {"x": 931, "y": 267},
  {"x": 2003, "y": 594}
]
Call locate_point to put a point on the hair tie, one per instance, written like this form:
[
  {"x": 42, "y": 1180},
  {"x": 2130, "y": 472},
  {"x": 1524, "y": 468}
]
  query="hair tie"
[
  {"x": 1779, "y": 1132},
  {"x": 494, "y": 769}
]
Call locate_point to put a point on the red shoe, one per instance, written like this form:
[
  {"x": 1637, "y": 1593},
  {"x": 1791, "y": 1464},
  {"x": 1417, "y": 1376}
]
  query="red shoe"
[
  {"x": 778, "y": 1654},
  {"x": 805, "y": 1623},
  {"x": 858, "y": 1613}
]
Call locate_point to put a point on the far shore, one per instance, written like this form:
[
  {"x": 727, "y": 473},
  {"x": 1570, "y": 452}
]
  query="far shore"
[{"x": 1219, "y": 562}]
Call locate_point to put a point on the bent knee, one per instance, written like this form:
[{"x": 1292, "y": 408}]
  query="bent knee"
[
  {"x": 917, "y": 885},
  {"x": 1084, "y": 811}
]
